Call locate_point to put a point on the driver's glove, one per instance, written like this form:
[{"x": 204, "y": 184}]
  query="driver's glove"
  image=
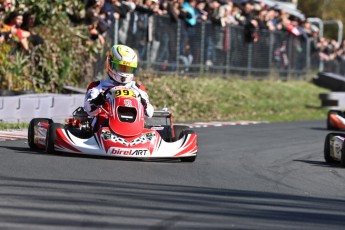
[{"x": 99, "y": 100}]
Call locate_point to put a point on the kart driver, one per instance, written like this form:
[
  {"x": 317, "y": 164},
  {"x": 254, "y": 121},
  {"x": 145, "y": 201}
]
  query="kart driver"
[{"x": 121, "y": 65}]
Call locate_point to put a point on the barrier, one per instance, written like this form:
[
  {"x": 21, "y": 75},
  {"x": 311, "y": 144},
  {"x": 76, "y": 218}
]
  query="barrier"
[
  {"x": 23, "y": 108},
  {"x": 333, "y": 100},
  {"x": 331, "y": 81}
]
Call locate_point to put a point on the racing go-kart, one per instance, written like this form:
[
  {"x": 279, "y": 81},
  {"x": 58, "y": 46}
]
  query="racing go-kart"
[{"x": 128, "y": 134}]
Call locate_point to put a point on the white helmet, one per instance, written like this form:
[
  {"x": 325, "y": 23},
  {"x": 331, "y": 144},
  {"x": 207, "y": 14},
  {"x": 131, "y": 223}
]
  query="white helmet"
[{"x": 122, "y": 63}]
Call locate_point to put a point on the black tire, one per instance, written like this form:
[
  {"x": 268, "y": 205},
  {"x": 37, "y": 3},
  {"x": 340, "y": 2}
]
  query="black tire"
[
  {"x": 329, "y": 125},
  {"x": 192, "y": 158},
  {"x": 31, "y": 130},
  {"x": 188, "y": 159},
  {"x": 178, "y": 131},
  {"x": 327, "y": 151},
  {"x": 51, "y": 136}
]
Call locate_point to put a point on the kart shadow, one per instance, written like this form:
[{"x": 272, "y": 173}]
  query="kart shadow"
[
  {"x": 320, "y": 129},
  {"x": 320, "y": 163},
  {"x": 27, "y": 150}
]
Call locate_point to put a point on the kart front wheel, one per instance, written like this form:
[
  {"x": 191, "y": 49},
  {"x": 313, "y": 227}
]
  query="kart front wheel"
[
  {"x": 51, "y": 136},
  {"x": 188, "y": 159},
  {"x": 178, "y": 131},
  {"x": 191, "y": 158},
  {"x": 31, "y": 130}
]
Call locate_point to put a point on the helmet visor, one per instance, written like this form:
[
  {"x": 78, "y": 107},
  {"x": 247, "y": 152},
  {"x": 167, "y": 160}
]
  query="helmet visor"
[{"x": 123, "y": 68}]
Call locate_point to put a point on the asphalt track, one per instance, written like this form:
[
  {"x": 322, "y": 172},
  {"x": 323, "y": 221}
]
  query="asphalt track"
[{"x": 263, "y": 176}]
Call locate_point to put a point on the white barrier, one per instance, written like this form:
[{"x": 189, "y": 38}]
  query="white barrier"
[
  {"x": 333, "y": 100},
  {"x": 23, "y": 108}
]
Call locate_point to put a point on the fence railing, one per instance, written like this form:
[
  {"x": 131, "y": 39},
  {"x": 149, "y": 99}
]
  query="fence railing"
[{"x": 208, "y": 49}]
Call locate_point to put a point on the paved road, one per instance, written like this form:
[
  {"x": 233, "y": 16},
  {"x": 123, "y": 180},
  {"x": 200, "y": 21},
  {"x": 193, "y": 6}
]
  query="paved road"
[{"x": 263, "y": 176}]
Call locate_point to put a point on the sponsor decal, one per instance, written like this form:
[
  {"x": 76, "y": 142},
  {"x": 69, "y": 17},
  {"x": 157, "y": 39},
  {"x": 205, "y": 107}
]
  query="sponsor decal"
[
  {"x": 150, "y": 136},
  {"x": 106, "y": 134},
  {"x": 147, "y": 137},
  {"x": 338, "y": 144},
  {"x": 157, "y": 128},
  {"x": 40, "y": 140},
  {"x": 128, "y": 103},
  {"x": 128, "y": 152},
  {"x": 336, "y": 147}
]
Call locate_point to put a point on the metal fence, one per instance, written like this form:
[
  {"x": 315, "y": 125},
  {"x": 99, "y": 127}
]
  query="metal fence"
[{"x": 205, "y": 49}]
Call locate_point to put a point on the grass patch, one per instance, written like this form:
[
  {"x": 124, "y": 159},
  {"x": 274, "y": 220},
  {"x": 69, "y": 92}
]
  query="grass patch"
[
  {"x": 13, "y": 125},
  {"x": 225, "y": 99}
]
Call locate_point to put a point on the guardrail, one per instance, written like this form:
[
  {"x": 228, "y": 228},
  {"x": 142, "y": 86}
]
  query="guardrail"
[{"x": 23, "y": 108}]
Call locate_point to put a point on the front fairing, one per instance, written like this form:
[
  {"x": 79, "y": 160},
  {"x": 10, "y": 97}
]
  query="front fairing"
[
  {"x": 147, "y": 144},
  {"x": 127, "y": 115},
  {"x": 141, "y": 145}
]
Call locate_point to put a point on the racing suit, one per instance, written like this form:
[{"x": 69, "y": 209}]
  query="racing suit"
[{"x": 97, "y": 87}]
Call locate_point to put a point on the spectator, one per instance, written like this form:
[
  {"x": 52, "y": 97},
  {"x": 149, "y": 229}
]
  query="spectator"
[
  {"x": 218, "y": 34},
  {"x": 250, "y": 23},
  {"x": 94, "y": 33},
  {"x": 176, "y": 12},
  {"x": 261, "y": 18},
  {"x": 189, "y": 6},
  {"x": 273, "y": 18},
  {"x": 200, "y": 13},
  {"x": 2, "y": 15},
  {"x": 98, "y": 23},
  {"x": 9, "y": 5},
  {"x": 114, "y": 10},
  {"x": 28, "y": 23},
  {"x": 13, "y": 24},
  {"x": 95, "y": 4}
]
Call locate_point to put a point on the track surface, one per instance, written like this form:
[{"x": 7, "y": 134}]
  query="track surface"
[{"x": 263, "y": 176}]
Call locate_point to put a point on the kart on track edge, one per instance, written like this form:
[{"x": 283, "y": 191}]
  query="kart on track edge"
[{"x": 127, "y": 134}]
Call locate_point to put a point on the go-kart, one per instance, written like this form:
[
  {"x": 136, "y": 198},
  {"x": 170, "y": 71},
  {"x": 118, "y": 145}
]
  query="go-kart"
[
  {"x": 334, "y": 148},
  {"x": 335, "y": 120},
  {"x": 127, "y": 133}
]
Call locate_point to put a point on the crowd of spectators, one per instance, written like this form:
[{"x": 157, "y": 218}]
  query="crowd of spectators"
[{"x": 253, "y": 15}]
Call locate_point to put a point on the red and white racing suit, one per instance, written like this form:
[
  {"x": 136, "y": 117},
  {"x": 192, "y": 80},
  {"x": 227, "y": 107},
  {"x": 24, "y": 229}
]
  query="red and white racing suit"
[{"x": 96, "y": 87}]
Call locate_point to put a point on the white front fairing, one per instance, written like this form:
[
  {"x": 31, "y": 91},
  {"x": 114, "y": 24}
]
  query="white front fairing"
[
  {"x": 87, "y": 146},
  {"x": 149, "y": 144},
  {"x": 185, "y": 146}
]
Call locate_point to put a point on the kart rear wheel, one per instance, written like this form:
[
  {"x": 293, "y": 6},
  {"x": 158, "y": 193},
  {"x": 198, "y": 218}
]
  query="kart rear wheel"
[
  {"x": 51, "y": 136},
  {"x": 192, "y": 158},
  {"x": 31, "y": 130},
  {"x": 329, "y": 125},
  {"x": 178, "y": 131}
]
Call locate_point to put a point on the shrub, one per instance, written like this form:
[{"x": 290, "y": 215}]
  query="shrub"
[{"x": 65, "y": 58}]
